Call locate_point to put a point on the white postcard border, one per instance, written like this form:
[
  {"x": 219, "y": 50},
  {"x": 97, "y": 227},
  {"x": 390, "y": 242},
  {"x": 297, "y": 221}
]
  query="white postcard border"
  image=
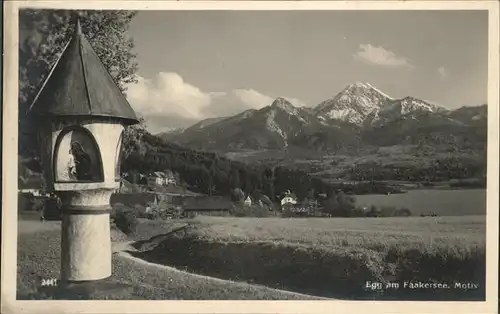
[{"x": 10, "y": 156}]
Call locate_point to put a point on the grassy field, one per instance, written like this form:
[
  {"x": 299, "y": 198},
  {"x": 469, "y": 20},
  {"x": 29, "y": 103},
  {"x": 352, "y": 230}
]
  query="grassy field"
[
  {"x": 334, "y": 257},
  {"x": 329, "y": 257},
  {"x": 369, "y": 233},
  {"x": 39, "y": 258}
]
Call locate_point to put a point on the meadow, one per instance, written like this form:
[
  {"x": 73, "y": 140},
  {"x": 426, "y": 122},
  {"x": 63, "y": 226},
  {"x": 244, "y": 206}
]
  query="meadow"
[
  {"x": 321, "y": 257},
  {"x": 38, "y": 257},
  {"x": 334, "y": 257}
]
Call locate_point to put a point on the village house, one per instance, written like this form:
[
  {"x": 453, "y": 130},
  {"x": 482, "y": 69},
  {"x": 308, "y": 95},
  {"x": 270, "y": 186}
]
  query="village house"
[
  {"x": 288, "y": 199},
  {"x": 169, "y": 178},
  {"x": 248, "y": 201},
  {"x": 156, "y": 178},
  {"x": 161, "y": 178},
  {"x": 303, "y": 208}
]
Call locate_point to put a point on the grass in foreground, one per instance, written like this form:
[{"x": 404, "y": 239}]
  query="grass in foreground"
[
  {"x": 39, "y": 258},
  {"x": 335, "y": 257}
]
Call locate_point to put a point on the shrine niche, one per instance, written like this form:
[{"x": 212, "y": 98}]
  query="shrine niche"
[
  {"x": 77, "y": 157},
  {"x": 118, "y": 160}
]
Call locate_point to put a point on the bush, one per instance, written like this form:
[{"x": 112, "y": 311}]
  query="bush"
[
  {"x": 38, "y": 204},
  {"x": 28, "y": 202},
  {"x": 139, "y": 209},
  {"x": 387, "y": 211},
  {"x": 237, "y": 195},
  {"x": 126, "y": 221},
  {"x": 161, "y": 211},
  {"x": 373, "y": 212},
  {"x": 25, "y": 201},
  {"x": 358, "y": 212},
  {"x": 119, "y": 207},
  {"x": 340, "y": 205},
  {"x": 287, "y": 212}
]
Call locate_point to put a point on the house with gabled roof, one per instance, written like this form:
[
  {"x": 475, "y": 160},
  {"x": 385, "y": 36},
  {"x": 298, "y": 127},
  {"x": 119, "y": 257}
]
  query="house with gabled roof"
[
  {"x": 248, "y": 201},
  {"x": 289, "y": 198},
  {"x": 156, "y": 178},
  {"x": 161, "y": 178},
  {"x": 169, "y": 177}
]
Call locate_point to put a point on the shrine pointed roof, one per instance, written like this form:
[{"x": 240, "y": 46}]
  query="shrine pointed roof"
[{"x": 80, "y": 85}]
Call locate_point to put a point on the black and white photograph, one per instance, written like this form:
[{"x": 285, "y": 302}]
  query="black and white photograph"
[{"x": 239, "y": 154}]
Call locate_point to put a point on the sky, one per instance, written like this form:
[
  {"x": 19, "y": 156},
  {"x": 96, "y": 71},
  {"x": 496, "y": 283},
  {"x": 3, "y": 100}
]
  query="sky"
[{"x": 200, "y": 64}]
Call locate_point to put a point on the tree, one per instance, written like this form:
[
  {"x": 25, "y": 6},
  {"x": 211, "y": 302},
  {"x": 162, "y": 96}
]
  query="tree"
[
  {"x": 339, "y": 204},
  {"x": 237, "y": 195},
  {"x": 43, "y": 36},
  {"x": 346, "y": 203},
  {"x": 267, "y": 201},
  {"x": 331, "y": 204},
  {"x": 132, "y": 139},
  {"x": 402, "y": 212},
  {"x": 206, "y": 181},
  {"x": 373, "y": 212},
  {"x": 234, "y": 179}
]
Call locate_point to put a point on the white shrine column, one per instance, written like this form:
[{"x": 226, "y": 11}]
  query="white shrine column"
[
  {"x": 85, "y": 237},
  {"x": 85, "y": 234}
]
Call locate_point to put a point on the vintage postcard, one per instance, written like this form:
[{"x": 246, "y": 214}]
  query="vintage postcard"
[{"x": 222, "y": 156}]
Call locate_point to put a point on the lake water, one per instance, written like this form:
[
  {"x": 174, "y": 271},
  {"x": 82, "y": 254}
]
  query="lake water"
[{"x": 440, "y": 202}]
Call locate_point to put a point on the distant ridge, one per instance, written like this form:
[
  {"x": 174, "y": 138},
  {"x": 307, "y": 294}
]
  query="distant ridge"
[{"x": 359, "y": 116}]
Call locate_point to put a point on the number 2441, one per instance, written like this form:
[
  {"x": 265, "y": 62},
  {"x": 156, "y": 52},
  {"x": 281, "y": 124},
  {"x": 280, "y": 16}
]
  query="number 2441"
[{"x": 49, "y": 282}]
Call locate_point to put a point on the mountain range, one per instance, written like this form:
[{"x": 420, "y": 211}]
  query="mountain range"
[{"x": 359, "y": 116}]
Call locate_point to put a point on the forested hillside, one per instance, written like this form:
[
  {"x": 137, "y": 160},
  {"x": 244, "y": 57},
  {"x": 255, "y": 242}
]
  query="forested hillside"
[
  {"x": 212, "y": 174},
  {"x": 207, "y": 172}
]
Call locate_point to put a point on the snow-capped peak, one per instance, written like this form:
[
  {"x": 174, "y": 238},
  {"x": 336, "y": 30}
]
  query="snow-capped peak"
[
  {"x": 378, "y": 90},
  {"x": 409, "y": 104},
  {"x": 366, "y": 85},
  {"x": 354, "y": 104},
  {"x": 361, "y": 102}
]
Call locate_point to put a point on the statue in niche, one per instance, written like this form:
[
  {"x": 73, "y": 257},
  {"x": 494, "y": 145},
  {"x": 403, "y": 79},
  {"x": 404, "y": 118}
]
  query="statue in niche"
[
  {"x": 79, "y": 164},
  {"x": 77, "y": 158},
  {"x": 71, "y": 168}
]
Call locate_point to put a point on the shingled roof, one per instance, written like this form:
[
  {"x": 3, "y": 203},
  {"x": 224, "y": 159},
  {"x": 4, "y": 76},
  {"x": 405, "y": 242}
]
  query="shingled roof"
[{"x": 80, "y": 85}]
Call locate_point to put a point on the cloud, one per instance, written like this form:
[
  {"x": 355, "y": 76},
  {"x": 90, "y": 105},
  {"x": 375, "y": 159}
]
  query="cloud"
[
  {"x": 233, "y": 102},
  {"x": 380, "y": 57},
  {"x": 442, "y": 73},
  {"x": 168, "y": 101},
  {"x": 167, "y": 94}
]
